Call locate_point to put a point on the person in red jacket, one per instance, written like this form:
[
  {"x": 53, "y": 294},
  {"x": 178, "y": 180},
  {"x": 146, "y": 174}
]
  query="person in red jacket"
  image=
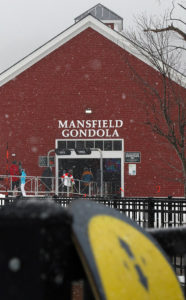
[
  {"x": 14, "y": 172},
  {"x": 68, "y": 182}
]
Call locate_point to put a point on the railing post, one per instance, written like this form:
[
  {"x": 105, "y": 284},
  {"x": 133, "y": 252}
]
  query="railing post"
[
  {"x": 36, "y": 186},
  {"x": 79, "y": 187},
  {"x": 115, "y": 202},
  {"x": 89, "y": 189},
  {"x": 170, "y": 211},
  {"x": 67, "y": 191},
  {"x": 150, "y": 212}
]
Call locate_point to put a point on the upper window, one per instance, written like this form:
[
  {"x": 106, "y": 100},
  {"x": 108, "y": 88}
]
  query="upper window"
[
  {"x": 89, "y": 144},
  {"x": 107, "y": 145},
  {"x": 99, "y": 144},
  {"x": 104, "y": 145},
  {"x": 80, "y": 144},
  {"x": 62, "y": 144},
  {"x": 117, "y": 145},
  {"x": 70, "y": 144}
]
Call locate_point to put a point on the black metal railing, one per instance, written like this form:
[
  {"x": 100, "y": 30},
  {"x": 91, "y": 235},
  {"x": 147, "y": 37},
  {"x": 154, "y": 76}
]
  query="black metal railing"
[
  {"x": 154, "y": 213},
  {"x": 147, "y": 212}
]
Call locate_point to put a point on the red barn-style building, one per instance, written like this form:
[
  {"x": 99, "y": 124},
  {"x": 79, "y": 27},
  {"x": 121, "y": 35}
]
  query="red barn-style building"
[{"x": 78, "y": 92}]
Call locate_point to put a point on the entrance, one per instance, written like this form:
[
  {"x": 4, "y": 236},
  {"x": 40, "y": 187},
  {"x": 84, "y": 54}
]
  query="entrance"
[
  {"x": 78, "y": 165},
  {"x": 111, "y": 172},
  {"x": 105, "y": 157}
]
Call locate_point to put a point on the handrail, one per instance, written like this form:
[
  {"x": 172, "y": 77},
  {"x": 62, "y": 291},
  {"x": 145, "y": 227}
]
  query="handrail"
[{"x": 41, "y": 186}]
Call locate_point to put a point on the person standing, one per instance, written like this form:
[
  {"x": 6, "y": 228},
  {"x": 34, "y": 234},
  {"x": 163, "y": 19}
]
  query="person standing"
[
  {"x": 23, "y": 181},
  {"x": 86, "y": 177},
  {"x": 68, "y": 181},
  {"x": 14, "y": 172},
  {"x": 60, "y": 182}
]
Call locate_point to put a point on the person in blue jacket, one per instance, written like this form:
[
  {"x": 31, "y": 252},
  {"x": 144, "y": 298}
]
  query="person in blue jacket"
[
  {"x": 87, "y": 178},
  {"x": 23, "y": 181}
]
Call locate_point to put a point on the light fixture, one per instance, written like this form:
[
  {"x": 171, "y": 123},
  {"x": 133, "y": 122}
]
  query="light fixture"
[
  {"x": 63, "y": 151},
  {"x": 83, "y": 151},
  {"x": 13, "y": 154},
  {"x": 88, "y": 111}
]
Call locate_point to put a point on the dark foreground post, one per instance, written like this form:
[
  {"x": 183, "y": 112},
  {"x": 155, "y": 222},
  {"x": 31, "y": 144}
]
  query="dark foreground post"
[{"x": 37, "y": 258}]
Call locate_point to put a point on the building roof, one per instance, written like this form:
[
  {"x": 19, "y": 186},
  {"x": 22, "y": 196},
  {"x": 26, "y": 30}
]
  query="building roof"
[
  {"x": 100, "y": 12},
  {"x": 87, "y": 22}
]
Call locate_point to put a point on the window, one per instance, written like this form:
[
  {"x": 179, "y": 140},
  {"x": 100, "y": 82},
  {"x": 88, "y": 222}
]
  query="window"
[
  {"x": 104, "y": 145},
  {"x": 70, "y": 144},
  {"x": 42, "y": 161},
  {"x": 89, "y": 144},
  {"x": 80, "y": 144},
  {"x": 61, "y": 144},
  {"x": 117, "y": 145},
  {"x": 99, "y": 144},
  {"x": 107, "y": 145}
]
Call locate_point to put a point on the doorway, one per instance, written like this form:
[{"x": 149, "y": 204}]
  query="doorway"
[
  {"x": 107, "y": 155},
  {"x": 111, "y": 171}
]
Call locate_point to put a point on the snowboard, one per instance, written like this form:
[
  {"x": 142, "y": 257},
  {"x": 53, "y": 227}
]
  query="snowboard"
[{"x": 121, "y": 260}]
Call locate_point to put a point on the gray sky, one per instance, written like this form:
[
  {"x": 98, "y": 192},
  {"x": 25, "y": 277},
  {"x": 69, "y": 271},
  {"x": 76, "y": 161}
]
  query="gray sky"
[{"x": 27, "y": 24}]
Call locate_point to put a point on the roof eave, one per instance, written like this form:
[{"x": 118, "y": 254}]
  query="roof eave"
[{"x": 64, "y": 37}]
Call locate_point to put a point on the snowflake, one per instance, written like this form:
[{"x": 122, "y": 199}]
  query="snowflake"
[
  {"x": 123, "y": 96},
  {"x": 34, "y": 149},
  {"x": 14, "y": 264}
]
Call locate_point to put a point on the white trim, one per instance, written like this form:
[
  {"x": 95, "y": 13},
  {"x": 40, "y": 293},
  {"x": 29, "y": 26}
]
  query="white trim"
[
  {"x": 94, "y": 154},
  {"x": 111, "y": 21},
  {"x": 56, "y": 174},
  {"x": 64, "y": 37},
  {"x": 123, "y": 170}
]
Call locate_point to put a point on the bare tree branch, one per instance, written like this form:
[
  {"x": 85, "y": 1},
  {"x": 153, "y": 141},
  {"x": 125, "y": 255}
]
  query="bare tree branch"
[
  {"x": 168, "y": 28},
  {"x": 171, "y": 27},
  {"x": 182, "y": 6},
  {"x": 171, "y": 14}
]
